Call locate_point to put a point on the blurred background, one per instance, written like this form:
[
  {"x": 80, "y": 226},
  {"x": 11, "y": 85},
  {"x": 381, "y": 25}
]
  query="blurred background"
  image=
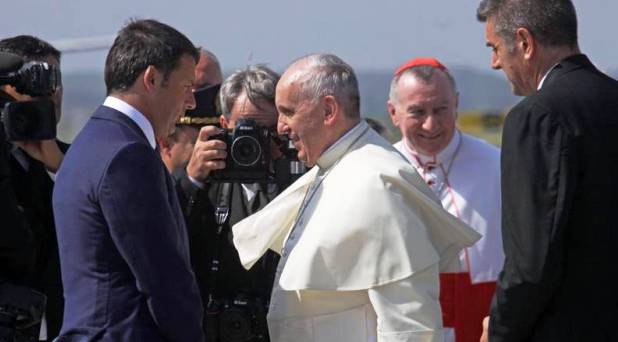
[{"x": 374, "y": 37}]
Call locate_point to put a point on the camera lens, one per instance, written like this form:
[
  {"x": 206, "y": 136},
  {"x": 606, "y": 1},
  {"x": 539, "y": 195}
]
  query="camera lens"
[
  {"x": 246, "y": 151},
  {"x": 235, "y": 325}
]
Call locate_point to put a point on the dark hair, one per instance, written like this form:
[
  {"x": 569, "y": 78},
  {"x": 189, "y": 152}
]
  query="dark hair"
[
  {"x": 142, "y": 43},
  {"x": 28, "y": 47},
  {"x": 551, "y": 22},
  {"x": 257, "y": 82}
]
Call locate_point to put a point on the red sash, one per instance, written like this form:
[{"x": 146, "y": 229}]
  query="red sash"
[{"x": 464, "y": 305}]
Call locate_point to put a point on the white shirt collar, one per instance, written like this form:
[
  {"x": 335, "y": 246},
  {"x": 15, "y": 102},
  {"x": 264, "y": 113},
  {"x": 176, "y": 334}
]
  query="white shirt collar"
[
  {"x": 338, "y": 149},
  {"x": 545, "y": 76},
  {"x": 133, "y": 114}
]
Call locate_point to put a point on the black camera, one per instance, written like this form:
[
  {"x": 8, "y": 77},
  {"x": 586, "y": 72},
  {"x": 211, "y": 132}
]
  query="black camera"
[
  {"x": 238, "y": 320},
  {"x": 33, "y": 78},
  {"x": 248, "y": 154},
  {"x": 29, "y": 120}
]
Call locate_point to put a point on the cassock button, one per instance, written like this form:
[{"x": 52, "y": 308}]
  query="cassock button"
[{"x": 430, "y": 182}]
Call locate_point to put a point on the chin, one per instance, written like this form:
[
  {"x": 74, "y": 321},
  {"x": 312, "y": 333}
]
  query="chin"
[{"x": 517, "y": 90}]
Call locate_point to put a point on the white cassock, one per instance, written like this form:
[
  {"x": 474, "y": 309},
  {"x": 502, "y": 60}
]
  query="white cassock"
[
  {"x": 466, "y": 178},
  {"x": 362, "y": 240}
]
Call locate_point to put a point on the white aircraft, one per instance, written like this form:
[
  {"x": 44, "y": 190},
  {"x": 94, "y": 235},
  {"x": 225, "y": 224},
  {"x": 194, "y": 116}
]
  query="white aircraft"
[{"x": 73, "y": 45}]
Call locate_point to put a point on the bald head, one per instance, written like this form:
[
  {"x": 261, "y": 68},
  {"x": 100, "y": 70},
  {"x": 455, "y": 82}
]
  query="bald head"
[
  {"x": 207, "y": 70},
  {"x": 319, "y": 75},
  {"x": 317, "y": 100}
]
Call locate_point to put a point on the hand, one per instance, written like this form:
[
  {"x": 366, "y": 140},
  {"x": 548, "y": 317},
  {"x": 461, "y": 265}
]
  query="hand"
[
  {"x": 45, "y": 151},
  {"x": 207, "y": 154},
  {"x": 485, "y": 336}
]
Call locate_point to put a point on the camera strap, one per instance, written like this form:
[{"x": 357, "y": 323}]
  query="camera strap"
[{"x": 222, "y": 213}]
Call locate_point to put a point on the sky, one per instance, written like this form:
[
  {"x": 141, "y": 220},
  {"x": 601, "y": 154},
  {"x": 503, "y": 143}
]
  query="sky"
[{"x": 368, "y": 34}]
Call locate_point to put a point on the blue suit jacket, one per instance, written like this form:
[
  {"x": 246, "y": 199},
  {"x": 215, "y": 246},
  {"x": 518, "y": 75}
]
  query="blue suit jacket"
[{"x": 122, "y": 240}]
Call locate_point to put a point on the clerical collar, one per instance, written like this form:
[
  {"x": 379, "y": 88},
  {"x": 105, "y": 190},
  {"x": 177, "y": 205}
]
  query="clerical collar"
[
  {"x": 135, "y": 115},
  {"x": 444, "y": 157},
  {"x": 341, "y": 146}
]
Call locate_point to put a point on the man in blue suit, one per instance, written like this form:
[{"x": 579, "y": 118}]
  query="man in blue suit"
[{"x": 123, "y": 244}]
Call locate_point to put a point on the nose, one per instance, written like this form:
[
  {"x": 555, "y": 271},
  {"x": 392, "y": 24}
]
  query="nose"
[
  {"x": 282, "y": 126},
  {"x": 190, "y": 100},
  {"x": 430, "y": 124}
]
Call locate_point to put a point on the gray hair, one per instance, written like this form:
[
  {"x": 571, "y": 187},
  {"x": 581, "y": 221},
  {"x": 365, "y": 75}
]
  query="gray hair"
[
  {"x": 423, "y": 73},
  {"x": 553, "y": 23},
  {"x": 328, "y": 74},
  {"x": 257, "y": 82}
]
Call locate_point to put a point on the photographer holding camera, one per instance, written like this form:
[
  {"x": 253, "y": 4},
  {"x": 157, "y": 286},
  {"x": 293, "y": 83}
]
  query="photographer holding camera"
[
  {"x": 232, "y": 174},
  {"x": 176, "y": 148},
  {"x": 30, "y": 283}
]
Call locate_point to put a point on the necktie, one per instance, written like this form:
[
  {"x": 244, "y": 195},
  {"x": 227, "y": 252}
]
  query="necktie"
[{"x": 259, "y": 199}]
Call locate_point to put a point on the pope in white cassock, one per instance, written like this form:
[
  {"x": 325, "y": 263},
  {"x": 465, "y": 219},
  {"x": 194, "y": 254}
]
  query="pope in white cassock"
[
  {"x": 362, "y": 238},
  {"x": 464, "y": 173}
]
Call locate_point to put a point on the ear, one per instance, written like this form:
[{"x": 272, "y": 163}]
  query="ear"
[
  {"x": 164, "y": 146},
  {"x": 392, "y": 113},
  {"x": 150, "y": 78},
  {"x": 526, "y": 42},
  {"x": 332, "y": 109},
  {"x": 223, "y": 122}
]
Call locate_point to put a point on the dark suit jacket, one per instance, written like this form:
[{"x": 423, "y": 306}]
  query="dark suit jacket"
[
  {"x": 123, "y": 243},
  {"x": 560, "y": 232},
  {"x": 33, "y": 261}
]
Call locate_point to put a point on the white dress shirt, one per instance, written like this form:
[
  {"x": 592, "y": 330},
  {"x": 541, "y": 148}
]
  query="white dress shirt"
[
  {"x": 135, "y": 115},
  {"x": 466, "y": 178}
]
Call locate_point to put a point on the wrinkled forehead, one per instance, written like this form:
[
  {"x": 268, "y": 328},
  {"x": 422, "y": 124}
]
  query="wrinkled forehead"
[
  {"x": 289, "y": 90},
  {"x": 263, "y": 112}
]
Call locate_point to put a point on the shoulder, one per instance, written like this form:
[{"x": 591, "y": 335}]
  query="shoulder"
[
  {"x": 372, "y": 159},
  {"x": 530, "y": 116},
  {"x": 373, "y": 167},
  {"x": 476, "y": 148},
  {"x": 133, "y": 155},
  {"x": 130, "y": 166}
]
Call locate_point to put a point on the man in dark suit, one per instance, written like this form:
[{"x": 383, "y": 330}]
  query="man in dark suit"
[
  {"x": 559, "y": 179},
  {"x": 227, "y": 288},
  {"x": 123, "y": 243},
  {"x": 31, "y": 167}
]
